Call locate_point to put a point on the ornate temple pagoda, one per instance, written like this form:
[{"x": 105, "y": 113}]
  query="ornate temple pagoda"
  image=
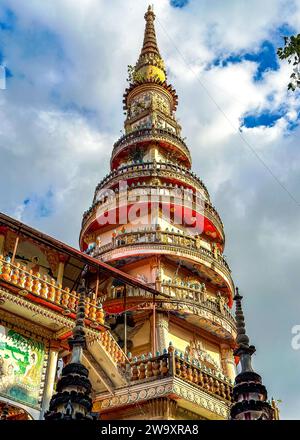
[
  {"x": 137, "y": 324},
  {"x": 152, "y": 218}
]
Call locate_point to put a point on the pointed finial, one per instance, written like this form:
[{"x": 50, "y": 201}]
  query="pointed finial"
[
  {"x": 150, "y": 43},
  {"x": 72, "y": 400},
  {"x": 249, "y": 394},
  {"x": 242, "y": 338},
  {"x": 78, "y": 341},
  {"x": 150, "y": 65},
  {"x": 243, "y": 350}
]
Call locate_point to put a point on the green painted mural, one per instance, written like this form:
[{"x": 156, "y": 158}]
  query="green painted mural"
[{"x": 21, "y": 365}]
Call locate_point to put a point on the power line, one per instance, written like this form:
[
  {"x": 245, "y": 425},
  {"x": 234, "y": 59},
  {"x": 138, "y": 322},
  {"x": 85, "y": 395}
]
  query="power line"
[{"x": 252, "y": 149}]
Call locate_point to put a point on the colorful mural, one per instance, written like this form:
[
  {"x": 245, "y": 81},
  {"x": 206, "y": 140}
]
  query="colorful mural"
[{"x": 21, "y": 365}]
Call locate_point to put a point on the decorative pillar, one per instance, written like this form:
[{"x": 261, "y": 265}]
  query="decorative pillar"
[
  {"x": 156, "y": 272},
  {"x": 15, "y": 249},
  {"x": 50, "y": 375},
  {"x": 227, "y": 361},
  {"x": 162, "y": 331},
  {"x": 61, "y": 268}
]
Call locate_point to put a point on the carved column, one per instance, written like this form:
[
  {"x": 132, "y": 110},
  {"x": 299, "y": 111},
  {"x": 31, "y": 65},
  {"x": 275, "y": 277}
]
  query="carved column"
[
  {"x": 61, "y": 268},
  {"x": 155, "y": 267},
  {"x": 162, "y": 331},
  {"x": 227, "y": 361},
  {"x": 50, "y": 375}
]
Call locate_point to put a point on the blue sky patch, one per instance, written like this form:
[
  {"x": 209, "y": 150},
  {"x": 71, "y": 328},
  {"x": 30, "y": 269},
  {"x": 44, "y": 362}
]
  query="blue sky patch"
[
  {"x": 265, "y": 119},
  {"x": 40, "y": 41},
  {"x": 265, "y": 57},
  {"x": 7, "y": 20},
  {"x": 41, "y": 206},
  {"x": 44, "y": 204},
  {"x": 285, "y": 30},
  {"x": 178, "y": 3}
]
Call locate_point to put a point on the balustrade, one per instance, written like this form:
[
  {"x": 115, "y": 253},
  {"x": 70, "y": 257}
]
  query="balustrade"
[
  {"x": 170, "y": 364},
  {"x": 182, "y": 173},
  {"x": 112, "y": 347},
  {"x": 148, "y": 367},
  {"x": 163, "y": 194},
  {"x": 176, "y": 292},
  {"x": 152, "y": 134},
  {"x": 47, "y": 289},
  {"x": 168, "y": 238},
  {"x": 196, "y": 295}
]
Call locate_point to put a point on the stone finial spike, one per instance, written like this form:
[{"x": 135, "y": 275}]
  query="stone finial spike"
[
  {"x": 242, "y": 337},
  {"x": 72, "y": 400},
  {"x": 150, "y": 43},
  {"x": 78, "y": 341},
  {"x": 243, "y": 350}
]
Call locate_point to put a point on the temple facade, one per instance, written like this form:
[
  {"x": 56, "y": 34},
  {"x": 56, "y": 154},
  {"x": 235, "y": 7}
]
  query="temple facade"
[
  {"x": 137, "y": 324},
  {"x": 152, "y": 217}
]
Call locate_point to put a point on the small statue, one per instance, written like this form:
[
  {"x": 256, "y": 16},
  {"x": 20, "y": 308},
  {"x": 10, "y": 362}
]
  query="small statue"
[{"x": 220, "y": 301}]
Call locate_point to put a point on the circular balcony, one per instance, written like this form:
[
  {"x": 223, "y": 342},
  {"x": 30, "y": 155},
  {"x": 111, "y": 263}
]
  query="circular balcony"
[
  {"x": 175, "y": 244},
  {"x": 169, "y": 195},
  {"x": 192, "y": 302},
  {"x": 154, "y": 169},
  {"x": 165, "y": 137}
]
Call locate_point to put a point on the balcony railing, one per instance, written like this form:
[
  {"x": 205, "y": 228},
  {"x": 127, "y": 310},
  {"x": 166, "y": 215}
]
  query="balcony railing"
[
  {"x": 197, "y": 296},
  {"x": 163, "y": 169},
  {"x": 176, "y": 293},
  {"x": 165, "y": 194},
  {"x": 51, "y": 294},
  {"x": 111, "y": 346},
  {"x": 156, "y": 134},
  {"x": 166, "y": 238},
  {"x": 171, "y": 364}
]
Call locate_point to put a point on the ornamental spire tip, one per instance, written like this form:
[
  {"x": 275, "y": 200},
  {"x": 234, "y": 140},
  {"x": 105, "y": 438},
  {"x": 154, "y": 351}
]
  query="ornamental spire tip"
[{"x": 150, "y": 65}]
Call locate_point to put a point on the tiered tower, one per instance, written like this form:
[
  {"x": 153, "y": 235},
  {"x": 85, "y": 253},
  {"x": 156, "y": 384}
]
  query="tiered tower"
[{"x": 152, "y": 217}]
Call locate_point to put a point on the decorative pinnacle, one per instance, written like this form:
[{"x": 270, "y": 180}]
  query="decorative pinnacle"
[
  {"x": 78, "y": 342},
  {"x": 244, "y": 350},
  {"x": 150, "y": 43},
  {"x": 150, "y": 66},
  {"x": 72, "y": 400},
  {"x": 242, "y": 338}
]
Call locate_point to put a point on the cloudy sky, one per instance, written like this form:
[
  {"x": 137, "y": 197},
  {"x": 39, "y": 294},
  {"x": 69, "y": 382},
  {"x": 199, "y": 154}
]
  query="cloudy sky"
[{"x": 61, "y": 111}]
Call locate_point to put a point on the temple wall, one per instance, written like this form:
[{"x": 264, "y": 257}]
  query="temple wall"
[
  {"x": 142, "y": 336},
  {"x": 181, "y": 338}
]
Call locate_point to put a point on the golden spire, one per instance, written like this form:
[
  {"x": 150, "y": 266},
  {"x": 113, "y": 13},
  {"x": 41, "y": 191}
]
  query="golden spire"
[
  {"x": 150, "y": 44},
  {"x": 150, "y": 65}
]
